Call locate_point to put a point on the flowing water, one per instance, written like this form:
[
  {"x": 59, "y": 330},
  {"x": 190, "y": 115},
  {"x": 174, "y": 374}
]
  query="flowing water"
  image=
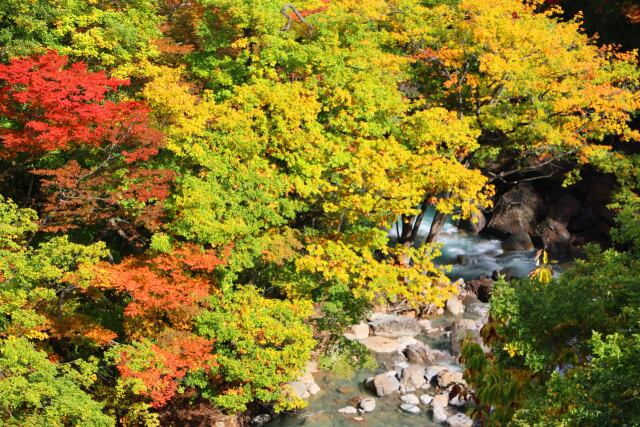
[{"x": 470, "y": 257}]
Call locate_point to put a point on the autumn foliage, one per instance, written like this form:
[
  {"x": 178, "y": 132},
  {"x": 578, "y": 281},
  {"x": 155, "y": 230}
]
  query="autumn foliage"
[
  {"x": 195, "y": 193},
  {"x": 54, "y": 105}
]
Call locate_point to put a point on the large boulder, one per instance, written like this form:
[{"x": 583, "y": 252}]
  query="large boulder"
[
  {"x": 454, "y": 306},
  {"x": 460, "y": 330},
  {"x": 475, "y": 224},
  {"x": 381, "y": 344},
  {"x": 420, "y": 353},
  {"x": 563, "y": 209},
  {"x": 519, "y": 242},
  {"x": 385, "y": 384},
  {"x": 393, "y": 326},
  {"x": 481, "y": 287},
  {"x": 412, "y": 379},
  {"x": 517, "y": 211},
  {"x": 555, "y": 237}
]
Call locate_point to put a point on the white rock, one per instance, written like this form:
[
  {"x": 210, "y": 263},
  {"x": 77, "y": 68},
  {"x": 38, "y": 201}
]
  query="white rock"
[
  {"x": 454, "y": 306},
  {"x": 459, "y": 420},
  {"x": 349, "y": 410},
  {"x": 313, "y": 388},
  {"x": 411, "y": 399},
  {"x": 412, "y": 409},
  {"x": 426, "y": 399},
  {"x": 367, "y": 404},
  {"x": 440, "y": 414}
]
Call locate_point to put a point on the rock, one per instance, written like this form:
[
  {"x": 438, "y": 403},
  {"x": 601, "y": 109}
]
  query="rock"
[
  {"x": 260, "y": 420},
  {"x": 412, "y": 378},
  {"x": 469, "y": 298},
  {"x": 381, "y": 344},
  {"x": 447, "y": 378},
  {"x": 455, "y": 307},
  {"x": 412, "y": 409},
  {"x": 459, "y": 420},
  {"x": 434, "y": 370},
  {"x": 481, "y": 287},
  {"x": 475, "y": 224},
  {"x": 426, "y": 399},
  {"x": 429, "y": 329},
  {"x": 420, "y": 353},
  {"x": 300, "y": 389},
  {"x": 520, "y": 242},
  {"x": 555, "y": 237},
  {"x": 313, "y": 388},
  {"x": 369, "y": 385},
  {"x": 403, "y": 342},
  {"x": 440, "y": 400},
  {"x": 457, "y": 401},
  {"x": 393, "y": 326},
  {"x": 516, "y": 211},
  {"x": 385, "y": 384},
  {"x": 367, "y": 404},
  {"x": 361, "y": 331},
  {"x": 227, "y": 421},
  {"x": 460, "y": 330},
  {"x": 411, "y": 399},
  {"x": 348, "y": 410},
  {"x": 440, "y": 414},
  {"x": 563, "y": 209},
  {"x": 478, "y": 309}
]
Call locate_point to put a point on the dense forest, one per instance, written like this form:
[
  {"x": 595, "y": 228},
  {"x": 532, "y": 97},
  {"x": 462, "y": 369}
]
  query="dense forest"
[{"x": 199, "y": 197}]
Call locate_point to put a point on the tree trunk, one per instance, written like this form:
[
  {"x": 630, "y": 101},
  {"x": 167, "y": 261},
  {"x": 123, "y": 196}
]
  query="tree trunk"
[{"x": 439, "y": 220}]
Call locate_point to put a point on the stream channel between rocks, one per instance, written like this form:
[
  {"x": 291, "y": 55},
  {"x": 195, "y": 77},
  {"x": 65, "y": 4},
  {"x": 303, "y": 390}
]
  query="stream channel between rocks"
[{"x": 470, "y": 257}]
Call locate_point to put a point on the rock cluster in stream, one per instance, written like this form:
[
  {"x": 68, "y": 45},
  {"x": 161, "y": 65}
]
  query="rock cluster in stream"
[{"x": 421, "y": 380}]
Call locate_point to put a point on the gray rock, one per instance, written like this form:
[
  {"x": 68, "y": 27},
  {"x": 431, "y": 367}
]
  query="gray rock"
[
  {"x": 455, "y": 307},
  {"x": 426, "y": 399},
  {"x": 412, "y": 378},
  {"x": 478, "y": 309},
  {"x": 348, "y": 410},
  {"x": 459, "y": 420},
  {"x": 381, "y": 344},
  {"x": 367, "y": 404},
  {"x": 460, "y": 330},
  {"x": 393, "y": 326},
  {"x": 385, "y": 384},
  {"x": 260, "y": 420},
  {"x": 412, "y": 409},
  {"x": 411, "y": 399}
]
